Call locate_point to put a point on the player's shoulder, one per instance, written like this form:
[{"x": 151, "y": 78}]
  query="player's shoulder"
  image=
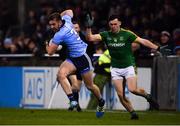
[
  {"x": 127, "y": 31},
  {"x": 66, "y": 28},
  {"x": 124, "y": 30},
  {"x": 66, "y": 17},
  {"x": 104, "y": 32},
  {"x": 60, "y": 33},
  {"x": 68, "y": 20}
]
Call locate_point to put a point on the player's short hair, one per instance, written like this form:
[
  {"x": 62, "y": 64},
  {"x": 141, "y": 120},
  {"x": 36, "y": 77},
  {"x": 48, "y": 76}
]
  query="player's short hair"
[
  {"x": 75, "y": 22},
  {"x": 114, "y": 16},
  {"x": 55, "y": 16}
]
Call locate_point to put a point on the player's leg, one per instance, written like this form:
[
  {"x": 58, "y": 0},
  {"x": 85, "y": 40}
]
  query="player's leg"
[
  {"x": 117, "y": 79},
  {"x": 76, "y": 85},
  {"x": 88, "y": 80},
  {"x": 120, "y": 88},
  {"x": 79, "y": 83},
  {"x": 84, "y": 66},
  {"x": 65, "y": 69},
  {"x": 100, "y": 80},
  {"x": 133, "y": 88}
]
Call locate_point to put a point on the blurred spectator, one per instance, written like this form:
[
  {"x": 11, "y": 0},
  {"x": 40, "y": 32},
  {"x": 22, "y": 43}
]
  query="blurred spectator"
[
  {"x": 177, "y": 50},
  {"x": 102, "y": 75},
  {"x": 32, "y": 47},
  {"x": 176, "y": 36},
  {"x": 166, "y": 43},
  {"x": 9, "y": 46},
  {"x": 1, "y": 42},
  {"x": 145, "y": 18},
  {"x": 31, "y": 21},
  {"x": 99, "y": 49}
]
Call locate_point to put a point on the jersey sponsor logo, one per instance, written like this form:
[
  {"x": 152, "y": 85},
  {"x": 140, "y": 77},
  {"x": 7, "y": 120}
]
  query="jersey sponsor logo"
[
  {"x": 121, "y": 38},
  {"x": 115, "y": 40},
  {"x": 109, "y": 39},
  {"x": 117, "y": 44}
]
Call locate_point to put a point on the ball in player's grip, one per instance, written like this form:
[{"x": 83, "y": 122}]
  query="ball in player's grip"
[{"x": 59, "y": 46}]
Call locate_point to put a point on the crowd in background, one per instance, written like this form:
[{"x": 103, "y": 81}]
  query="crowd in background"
[{"x": 156, "y": 20}]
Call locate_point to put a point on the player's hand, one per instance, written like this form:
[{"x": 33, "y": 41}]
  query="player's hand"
[
  {"x": 163, "y": 50},
  {"x": 89, "y": 20},
  {"x": 160, "y": 48}
]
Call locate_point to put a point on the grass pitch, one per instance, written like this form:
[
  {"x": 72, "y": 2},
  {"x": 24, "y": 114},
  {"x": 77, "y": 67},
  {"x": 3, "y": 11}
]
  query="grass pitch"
[{"x": 64, "y": 117}]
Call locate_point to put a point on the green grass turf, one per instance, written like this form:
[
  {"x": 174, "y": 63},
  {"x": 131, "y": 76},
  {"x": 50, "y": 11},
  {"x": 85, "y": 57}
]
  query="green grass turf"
[{"x": 63, "y": 117}]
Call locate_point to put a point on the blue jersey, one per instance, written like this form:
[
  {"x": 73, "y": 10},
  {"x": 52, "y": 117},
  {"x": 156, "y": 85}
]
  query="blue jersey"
[{"x": 69, "y": 37}]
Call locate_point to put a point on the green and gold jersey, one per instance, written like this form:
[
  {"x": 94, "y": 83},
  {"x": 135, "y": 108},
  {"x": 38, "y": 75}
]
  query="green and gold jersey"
[{"x": 119, "y": 46}]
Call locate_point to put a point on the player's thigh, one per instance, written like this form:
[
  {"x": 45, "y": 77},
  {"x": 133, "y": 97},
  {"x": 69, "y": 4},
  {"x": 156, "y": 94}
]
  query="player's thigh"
[
  {"x": 66, "y": 68},
  {"x": 73, "y": 78},
  {"x": 118, "y": 84},
  {"x": 76, "y": 84},
  {"x": 131, "y": 78},
  {"x": 88, "y": 78},
  {"x": 131, "y": 83}
]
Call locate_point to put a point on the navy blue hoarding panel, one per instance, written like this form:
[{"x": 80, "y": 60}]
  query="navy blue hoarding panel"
[{"x": 10, "y": 86}]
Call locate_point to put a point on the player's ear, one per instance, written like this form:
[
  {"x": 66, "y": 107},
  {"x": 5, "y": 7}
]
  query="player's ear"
[
  {"x": 119, "y": 23},
  {"x": 62, "y": 22}
]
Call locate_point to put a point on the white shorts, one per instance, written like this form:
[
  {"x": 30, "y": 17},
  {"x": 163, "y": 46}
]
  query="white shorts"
[{"x": 118, "y": 73}]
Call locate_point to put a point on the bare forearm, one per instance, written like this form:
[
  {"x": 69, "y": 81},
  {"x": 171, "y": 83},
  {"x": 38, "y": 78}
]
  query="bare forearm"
[
  {"x": 92, "y": 37},
  {"x": 49, "y": 50},
  {"x": 149, "y": 44},
  {"x": 88, "y": 34}
]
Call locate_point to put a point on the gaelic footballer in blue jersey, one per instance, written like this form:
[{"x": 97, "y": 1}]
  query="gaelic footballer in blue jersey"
[{"x": 77, "y": 60}]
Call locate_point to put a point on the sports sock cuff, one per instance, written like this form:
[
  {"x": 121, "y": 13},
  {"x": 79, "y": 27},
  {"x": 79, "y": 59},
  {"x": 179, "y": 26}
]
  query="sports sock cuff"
[
  {"x": 71, "y": 97},
  {"x": 101, "y": 102},
  {"x": 74, "y": 90},
  {"x": 133, "y": 112}
]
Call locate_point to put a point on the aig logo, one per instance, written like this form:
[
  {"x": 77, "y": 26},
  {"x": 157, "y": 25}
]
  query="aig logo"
[{"x": 34, "y": 87}]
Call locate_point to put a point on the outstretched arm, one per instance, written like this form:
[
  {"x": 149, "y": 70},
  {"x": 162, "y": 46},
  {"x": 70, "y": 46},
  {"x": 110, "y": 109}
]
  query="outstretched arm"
[
  {"x": 92, "y": 37},
  {"x": 146, "y": 43},
  {"x": 67, "y": 12}
]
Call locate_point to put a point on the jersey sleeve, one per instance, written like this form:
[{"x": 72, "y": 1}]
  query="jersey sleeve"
[
  {"x": 132, "y": 36},
  {"x": 57, "y": 39},
  {"x": 67, "y": 18},
  {"x": 103, "y": 35}
]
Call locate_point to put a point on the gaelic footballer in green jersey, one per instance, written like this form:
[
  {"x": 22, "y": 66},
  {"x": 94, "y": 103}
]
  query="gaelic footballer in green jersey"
[
  {"x": 119, "y": 45},
  {"x": 118, "y": 41}
]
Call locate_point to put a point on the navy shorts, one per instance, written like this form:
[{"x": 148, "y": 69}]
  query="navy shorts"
[{"x": 83, "y": 64}]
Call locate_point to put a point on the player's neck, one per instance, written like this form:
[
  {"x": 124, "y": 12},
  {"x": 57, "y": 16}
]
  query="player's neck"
[{"x": 115, "y": 32}]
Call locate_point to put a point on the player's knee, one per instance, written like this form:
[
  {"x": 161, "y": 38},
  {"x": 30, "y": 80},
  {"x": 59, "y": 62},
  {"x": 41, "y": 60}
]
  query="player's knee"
[
  {"x": 132, "y": 90},
  {"x": 75, "y": 88},
  {"x": 120, "y": 94},
  {"x": 89, "y": 87},
  {"x": 61, "y": 75}
]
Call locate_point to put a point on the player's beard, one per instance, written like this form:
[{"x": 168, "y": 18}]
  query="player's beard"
[
  {"x": 58, "y": 28},
  {"x": 55, "y": 29}
]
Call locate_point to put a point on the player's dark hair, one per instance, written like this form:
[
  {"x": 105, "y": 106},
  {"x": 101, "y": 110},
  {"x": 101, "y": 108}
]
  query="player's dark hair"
[
  {"x": 114, "y": 16},
  {"x": 75, "y": 22},
  {"x": 55, "y": 16}
]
